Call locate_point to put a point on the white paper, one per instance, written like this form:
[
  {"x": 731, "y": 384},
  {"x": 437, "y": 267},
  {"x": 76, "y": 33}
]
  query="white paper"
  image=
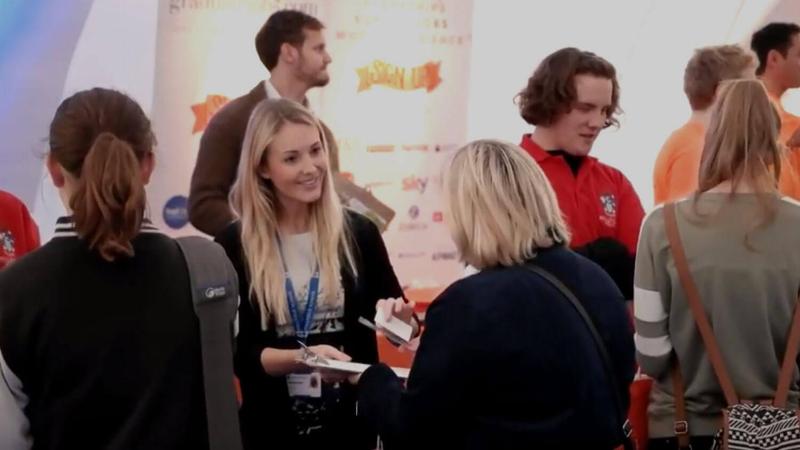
[
  {"x": 397, "y": 327},
  {"x": 351, "y": 367}
]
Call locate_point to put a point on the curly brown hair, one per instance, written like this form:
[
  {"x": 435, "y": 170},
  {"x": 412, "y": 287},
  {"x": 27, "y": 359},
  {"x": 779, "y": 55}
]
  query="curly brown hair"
[{"x": 551, "y": 89}]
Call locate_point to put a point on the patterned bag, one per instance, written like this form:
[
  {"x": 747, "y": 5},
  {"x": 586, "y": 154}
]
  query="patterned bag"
[
  {"x": 760, "y": 426},
  {"x": 745, "y": 424}
]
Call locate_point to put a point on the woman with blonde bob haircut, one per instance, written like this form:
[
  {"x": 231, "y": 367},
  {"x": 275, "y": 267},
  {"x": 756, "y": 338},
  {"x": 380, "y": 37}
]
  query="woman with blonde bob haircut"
[
  {"x": 506, "y": 361},
  {"x": 742, "y": 249},
  {"x": 311, "y": 270},
  {"x": 501, "y": 206}
]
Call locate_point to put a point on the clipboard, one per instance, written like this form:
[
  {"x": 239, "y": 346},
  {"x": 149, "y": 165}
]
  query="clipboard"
[
  {"x": 362, "y": 201},
  {"x": 351, "y": 367},
  {"x": 315, "y": 361}
]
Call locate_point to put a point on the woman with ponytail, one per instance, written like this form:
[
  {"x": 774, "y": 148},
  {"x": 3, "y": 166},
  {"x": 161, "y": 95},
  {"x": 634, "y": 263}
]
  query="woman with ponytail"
[
  {"x": 741, "y": 249},
  {"x": 312, "y": 270},
  {"x": 99, "y": 343}
]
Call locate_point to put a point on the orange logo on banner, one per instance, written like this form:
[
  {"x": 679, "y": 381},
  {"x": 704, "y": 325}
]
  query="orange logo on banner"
[
  {"x": 204, "y": 111},
  {"x": 405, "y": 79}
]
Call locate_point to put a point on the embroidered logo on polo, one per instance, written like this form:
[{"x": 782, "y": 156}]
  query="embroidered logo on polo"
[
  {"x": 7, "y": 243},
  {"x": 609, "y": 204}
]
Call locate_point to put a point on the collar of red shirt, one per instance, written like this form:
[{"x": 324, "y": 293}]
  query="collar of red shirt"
[{"x": 539, "y": 154}]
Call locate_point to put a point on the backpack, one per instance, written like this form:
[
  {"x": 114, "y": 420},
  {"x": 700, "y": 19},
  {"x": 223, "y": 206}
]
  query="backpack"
[
  {"x": 745, "y": 424},
  {"x": 215, "y": 295}
]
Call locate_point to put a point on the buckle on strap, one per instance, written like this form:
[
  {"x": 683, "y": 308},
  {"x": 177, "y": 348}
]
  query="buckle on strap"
[
  {"x": 681, "y": 427},
  {"x": 627, "y": 429}
]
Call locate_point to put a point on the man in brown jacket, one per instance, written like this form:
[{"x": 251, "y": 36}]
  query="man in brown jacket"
[{"x": 292, "y": 48}]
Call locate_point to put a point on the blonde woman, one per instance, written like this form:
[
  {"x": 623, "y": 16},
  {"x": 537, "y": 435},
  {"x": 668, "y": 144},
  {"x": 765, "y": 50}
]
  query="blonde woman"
[
  {"x": 506, "y": 361},
  {"x": 743, "y": 249},
  {"x": 311, "y": 269}
]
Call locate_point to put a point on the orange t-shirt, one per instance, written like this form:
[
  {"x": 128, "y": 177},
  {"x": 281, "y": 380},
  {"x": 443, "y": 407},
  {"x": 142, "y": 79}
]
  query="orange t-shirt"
[
  {"x": 789, "y": 184},
  {"x": 678, "y": 163}
]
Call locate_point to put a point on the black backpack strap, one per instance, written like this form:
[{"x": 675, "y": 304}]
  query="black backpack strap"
[
  {"x": 601, "y": 347},
  {"x": 215, "y": 294}
]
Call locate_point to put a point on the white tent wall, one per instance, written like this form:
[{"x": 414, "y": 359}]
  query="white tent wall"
[{"x": 649, "y": 42}]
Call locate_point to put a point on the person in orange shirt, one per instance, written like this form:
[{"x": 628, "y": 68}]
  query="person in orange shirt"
[
  {"x": 777, "y": 46},
  {"x": 678, "y": 162}
]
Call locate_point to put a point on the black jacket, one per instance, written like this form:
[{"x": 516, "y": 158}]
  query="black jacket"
[
  {"x": 266, "y": 418},
  {"x": 506, "y": 362},
  {"x": 107, "y": 353}
]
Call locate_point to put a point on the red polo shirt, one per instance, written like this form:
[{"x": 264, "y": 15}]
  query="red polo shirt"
[
  {"x": 18, "y": 233},
  {"x": 597, "y": 202}
]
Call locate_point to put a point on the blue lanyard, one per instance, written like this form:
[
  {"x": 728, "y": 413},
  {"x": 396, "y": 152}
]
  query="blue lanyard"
[{"x": 303, "y": 327}]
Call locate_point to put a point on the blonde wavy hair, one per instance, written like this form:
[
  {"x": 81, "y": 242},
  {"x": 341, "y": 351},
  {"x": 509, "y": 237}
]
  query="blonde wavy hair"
[
  {"x": 255, "y": 202},
  {"x": 500, "y": 207}
]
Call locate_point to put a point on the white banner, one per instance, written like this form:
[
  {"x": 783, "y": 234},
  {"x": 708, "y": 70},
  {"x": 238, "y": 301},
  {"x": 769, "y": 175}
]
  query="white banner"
[{"x": 397, "y": 104}]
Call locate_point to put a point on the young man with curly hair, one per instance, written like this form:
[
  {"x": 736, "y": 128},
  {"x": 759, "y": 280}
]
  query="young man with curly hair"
[{"x": 570, "y": 98}]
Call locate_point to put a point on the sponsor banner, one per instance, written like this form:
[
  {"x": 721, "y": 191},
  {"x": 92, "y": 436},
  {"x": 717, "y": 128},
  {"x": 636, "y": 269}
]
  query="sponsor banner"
[
  {"x": 176, "y": 214},
  {"x": 205, "y": 57},
  {"x": 399, "y": 68}
]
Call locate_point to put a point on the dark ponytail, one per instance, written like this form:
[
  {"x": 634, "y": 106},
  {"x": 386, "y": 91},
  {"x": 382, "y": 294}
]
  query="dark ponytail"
[
  {"x": 101, "y": 137},
  {"x": 108, "y": 204}
]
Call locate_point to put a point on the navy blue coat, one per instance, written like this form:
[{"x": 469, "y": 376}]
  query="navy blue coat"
[{"x": 506, "y": 362}]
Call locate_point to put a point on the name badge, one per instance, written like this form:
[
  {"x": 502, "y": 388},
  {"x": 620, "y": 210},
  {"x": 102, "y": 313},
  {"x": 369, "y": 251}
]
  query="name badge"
[{"x": 304, "y": 385}]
